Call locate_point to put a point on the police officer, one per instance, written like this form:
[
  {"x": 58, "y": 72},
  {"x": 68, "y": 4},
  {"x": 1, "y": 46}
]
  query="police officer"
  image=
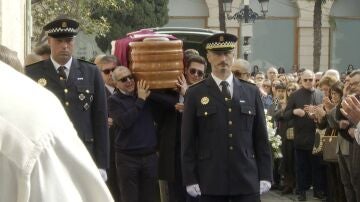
[
  {"x": 79, "y": 86},
  {"x": 225, "y": 149}
]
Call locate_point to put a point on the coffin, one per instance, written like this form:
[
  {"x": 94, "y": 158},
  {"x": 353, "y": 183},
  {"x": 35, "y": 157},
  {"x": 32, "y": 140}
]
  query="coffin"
[{"x": 157, "y": 61}]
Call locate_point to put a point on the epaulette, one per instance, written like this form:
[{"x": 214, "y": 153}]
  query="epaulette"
[
  {"x": 248, "y": 82},
  {"x": 34, "y": 63},
  {"x": 82, "y": 60},
  {"x": 195, "y": 84}
]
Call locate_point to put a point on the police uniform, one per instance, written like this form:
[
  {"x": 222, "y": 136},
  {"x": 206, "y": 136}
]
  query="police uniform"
[
  {"x": 82, "y": 94},
  {"x": 224, "y": 144}
]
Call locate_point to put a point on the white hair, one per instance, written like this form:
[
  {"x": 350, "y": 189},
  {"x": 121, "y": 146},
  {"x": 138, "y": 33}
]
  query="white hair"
[{"x": 333, "y": 72}]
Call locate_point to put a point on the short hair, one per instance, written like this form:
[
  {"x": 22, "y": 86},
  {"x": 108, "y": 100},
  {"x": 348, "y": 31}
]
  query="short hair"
[
  {"x": 243, "y": 63},
  {"x": 281, "y": 70},
  {"x": 43, "y": 49},
  {"x": 9, "y": 57},
  {"x": 118, "y": 68},
  {"x": 260, "y": 72},
  {"x": 354, "y": 73},
  {"x": 338, "y": 88},
  {"x": 195, "y": 58},
  {"x": 332, "y": 72},
  {"x": 280, "y": 85},
  {"x": 327, "y": 80},
  {"x": 108, "y": 59},
  {"x": 32, "y": 58}
]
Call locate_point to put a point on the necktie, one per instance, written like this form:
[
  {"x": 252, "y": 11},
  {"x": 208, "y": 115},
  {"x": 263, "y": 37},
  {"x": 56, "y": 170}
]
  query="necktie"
[
  {"x": 224, "y": 89},
  {"x": 61, "y": 72}
]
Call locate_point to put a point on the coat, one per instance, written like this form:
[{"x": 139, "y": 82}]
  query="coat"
[
  {"x": 83, "y": 97},
  {"x": 224, "y": 145}
]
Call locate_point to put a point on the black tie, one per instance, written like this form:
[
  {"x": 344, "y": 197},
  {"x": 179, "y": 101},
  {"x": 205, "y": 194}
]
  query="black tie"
[
  {"x": 224, "y": 89},
  {"x": 61, "y": 72}
]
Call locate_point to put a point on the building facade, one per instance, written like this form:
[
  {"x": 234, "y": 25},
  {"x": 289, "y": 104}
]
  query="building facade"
[{"x": 285, "y": 37}]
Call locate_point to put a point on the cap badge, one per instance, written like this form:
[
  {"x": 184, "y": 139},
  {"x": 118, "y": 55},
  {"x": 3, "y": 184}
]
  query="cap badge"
[
  {"x": 204, "y": 100},
  {"x": 221, "y": 38},
  {"x": 42, "y": 81},
  {"x": 64, "y": 24},
  {"x": 82, "y": 97}
]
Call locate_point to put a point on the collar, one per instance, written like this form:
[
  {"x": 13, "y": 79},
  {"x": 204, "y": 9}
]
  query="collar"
[
  {"x": 57, "y": 65},
  {"x": 110, "y": 88},
  {"x": 229, "y": 79}
]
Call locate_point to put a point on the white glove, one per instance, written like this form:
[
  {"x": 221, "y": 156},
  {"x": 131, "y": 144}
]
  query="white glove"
[
  {"x": 193, "y": 190},
  {"x": 264, "y": 186},
  {"x": 103, "y": 174}
]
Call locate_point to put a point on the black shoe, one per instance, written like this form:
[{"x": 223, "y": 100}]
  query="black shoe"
[
  {"x": 287, "y": 190},
  {"x": 302, "y": 196},
  {"x": 319, "y": 195}
]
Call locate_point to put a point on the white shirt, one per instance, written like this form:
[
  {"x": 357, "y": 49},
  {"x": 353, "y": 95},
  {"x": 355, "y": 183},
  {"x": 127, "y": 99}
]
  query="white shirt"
[
  {"x": 67, "y": 65},
  {"x": 110, "y": 89},
  {"x": 41, "y": 156},
  {"x": 229, "y": 79}
]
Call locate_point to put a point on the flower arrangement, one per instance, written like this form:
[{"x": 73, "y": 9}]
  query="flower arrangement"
[{"x": 274, "y": 139}]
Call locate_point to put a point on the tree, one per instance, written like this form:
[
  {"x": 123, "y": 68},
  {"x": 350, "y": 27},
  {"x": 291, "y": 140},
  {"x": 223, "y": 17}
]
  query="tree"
[
  {"x": 317, "y": 33},
  {"x": 144, "y": 14},
  {"x": 222, "y": 16},
  {"x": 44, "y": 11}
]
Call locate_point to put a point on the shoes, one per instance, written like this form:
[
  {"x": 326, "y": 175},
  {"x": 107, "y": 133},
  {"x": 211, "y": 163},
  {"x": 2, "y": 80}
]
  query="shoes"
[
  {"x": 302, "y": 196},
  {"x": 319, "y": 195},
  {"x": 287, "y": 190}
]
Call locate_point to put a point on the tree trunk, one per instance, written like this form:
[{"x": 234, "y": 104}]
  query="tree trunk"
[
  {"x": 222, "y": 16},
  {"x": 317, "y": 35}
]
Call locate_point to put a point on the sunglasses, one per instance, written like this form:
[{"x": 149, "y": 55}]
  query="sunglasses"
[
  {"x": 126, "y": 78},
  {"x": 308, "y": 80},
  {"x": 107, "y": 71},
  {"x": 239, "y": 74},
  {"x": 193, "y": 71}
]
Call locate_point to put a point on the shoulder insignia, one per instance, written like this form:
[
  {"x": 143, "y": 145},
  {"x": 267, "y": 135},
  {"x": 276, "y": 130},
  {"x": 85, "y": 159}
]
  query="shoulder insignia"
[
  {"x": 195, "y": 84},
  {"x": 81, "y": 60},
  {"x": 33, "y": 64}
]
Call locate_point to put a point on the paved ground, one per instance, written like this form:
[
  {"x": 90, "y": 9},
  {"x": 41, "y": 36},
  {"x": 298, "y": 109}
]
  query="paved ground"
[{"x": 275, "y": 196}]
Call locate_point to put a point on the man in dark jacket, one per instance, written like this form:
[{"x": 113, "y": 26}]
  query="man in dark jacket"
[
  {"x": 299, "y": 108},
  {"x": 135, "y": 138},
  {"x": 224, "y": 143},
  {"x": 79, "y": 86}
]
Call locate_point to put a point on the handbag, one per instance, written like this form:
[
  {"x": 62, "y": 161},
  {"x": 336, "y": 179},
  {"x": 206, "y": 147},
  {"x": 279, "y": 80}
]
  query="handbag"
[
  {"x": 329, "y": 147},
  {"x": 290, "y": 134},
  {"x": 318, "y": 143}
]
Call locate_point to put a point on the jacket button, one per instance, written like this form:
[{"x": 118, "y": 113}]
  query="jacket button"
[
  {"x": 226, "y": 99},
  {"x": 66, "y": 90},
  {"x": 249, "y": 112},
  {"x": 231, "y": 148},
  {"x": 229, "y": 109},
  {"x": 205, "y": 113},
  {"x": 230, "y": 122},
  {"x": 230, "y": 135},
  {"x": 67, "y": 103}
]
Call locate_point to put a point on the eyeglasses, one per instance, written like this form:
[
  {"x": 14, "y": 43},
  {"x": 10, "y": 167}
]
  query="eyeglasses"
[
  {"x": 126, "y": 78},
  {"x": 197, "y": 72},
  {"x": 107, "y": 71},
  {"x": 291, "y": 89},
  {"x": 308, "y": 80},
  {"x": 239, "y": 74}
]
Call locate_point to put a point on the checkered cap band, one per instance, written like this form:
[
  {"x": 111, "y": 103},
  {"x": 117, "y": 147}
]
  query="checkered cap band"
[
  {"x": 62, "y": 30},
  {"x": 219, "y": 45}
]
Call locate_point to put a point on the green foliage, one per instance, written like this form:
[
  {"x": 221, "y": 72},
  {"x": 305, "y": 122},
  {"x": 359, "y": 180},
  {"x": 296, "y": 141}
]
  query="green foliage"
[
  {"x": 141, "y": 14},
  {"x": 44, "y": 11}
]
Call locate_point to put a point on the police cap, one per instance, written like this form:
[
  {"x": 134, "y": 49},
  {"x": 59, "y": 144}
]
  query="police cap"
[
  {"x": 62, "y": 28},
  {"x": 220, "y": 42}
]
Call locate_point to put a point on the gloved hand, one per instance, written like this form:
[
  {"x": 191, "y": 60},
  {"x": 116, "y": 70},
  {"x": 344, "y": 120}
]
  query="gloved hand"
[
  {"x": 103, "y": 174},
  {"x": 193, "y": 190},
  {"x": 264, "y": 186}
]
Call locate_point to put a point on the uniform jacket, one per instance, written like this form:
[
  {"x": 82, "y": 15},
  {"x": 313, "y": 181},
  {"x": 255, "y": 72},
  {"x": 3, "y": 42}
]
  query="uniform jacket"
[
  {"x": 224, "y": 148},
  {"x": 41, "y": 156},
  {"x": 83, "y": 97}
]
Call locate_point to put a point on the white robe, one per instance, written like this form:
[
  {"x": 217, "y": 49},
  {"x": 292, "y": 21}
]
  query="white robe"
[{"x": 41, "y": 156}]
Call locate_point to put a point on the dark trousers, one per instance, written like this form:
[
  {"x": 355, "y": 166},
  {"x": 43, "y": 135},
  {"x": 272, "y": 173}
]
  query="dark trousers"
[
  {"x": 309, "y": 169},
  {"x": 355, "y": 169},
  {"x": 137, "y": 177},
  {"x": 237, "y": 198},
  {"x": 345, "y": 173},
  {"x": 288, "y": 163},
  {"x": 112, "y": 181}
]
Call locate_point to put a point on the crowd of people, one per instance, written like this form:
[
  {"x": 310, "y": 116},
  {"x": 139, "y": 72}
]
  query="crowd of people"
[{"x": 205, "y": 140}]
